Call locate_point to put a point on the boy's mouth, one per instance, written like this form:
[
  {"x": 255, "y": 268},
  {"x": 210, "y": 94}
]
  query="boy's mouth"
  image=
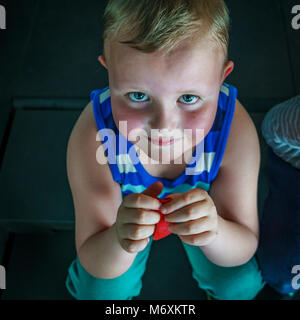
[{"x": 163, "y": 141}]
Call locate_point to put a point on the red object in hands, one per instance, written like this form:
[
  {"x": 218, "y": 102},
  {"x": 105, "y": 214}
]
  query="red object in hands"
[{"x": 161, "y": 228}]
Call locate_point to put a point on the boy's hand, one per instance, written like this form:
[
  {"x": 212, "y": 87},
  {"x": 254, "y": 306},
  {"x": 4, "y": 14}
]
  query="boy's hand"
[
  {"x": 192, "y": 216},
  {"x": 137, "y": 217}
]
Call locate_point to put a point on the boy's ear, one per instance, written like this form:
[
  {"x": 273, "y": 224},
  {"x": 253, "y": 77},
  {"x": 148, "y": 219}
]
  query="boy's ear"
[
  {"x": 102, "y": 61},
  {"x": 227, "y": 70}
]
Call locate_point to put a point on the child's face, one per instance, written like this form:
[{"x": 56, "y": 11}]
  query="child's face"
[{"x": 169, "y": 94}]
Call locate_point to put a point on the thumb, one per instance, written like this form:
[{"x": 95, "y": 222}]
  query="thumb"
[{"x": 154, "y": 189}]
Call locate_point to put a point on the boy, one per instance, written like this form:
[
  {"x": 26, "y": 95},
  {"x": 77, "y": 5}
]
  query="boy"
[{"x": 167, "y": 62}]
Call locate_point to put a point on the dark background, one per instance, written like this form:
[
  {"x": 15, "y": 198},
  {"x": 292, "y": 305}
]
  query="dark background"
[{"x": 48, "y": 67}]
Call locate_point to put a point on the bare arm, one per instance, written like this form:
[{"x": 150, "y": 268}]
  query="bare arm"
[
  {"x": 234, "y": 193},
  {"x": 96, "y": 198},
  {"x": 103, "y": 257}
]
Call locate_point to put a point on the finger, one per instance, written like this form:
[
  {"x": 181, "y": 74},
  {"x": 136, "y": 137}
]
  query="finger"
[
  {"x": 191, "y": 212},
  {"x": 136, "y": 232},
  {"x": 168, "y": 198},
  {"x": 174, "y": 195},
  {"x": 201, "y": 239},
  {"x": 154, "y": 189},
  {"x": 190, "y": 227},
  {"x": 184, "y": 199},
  {"x": 134, "y": 245},
  {"x": 139, "y": 216},
  {"x": 140, "y": 200}
]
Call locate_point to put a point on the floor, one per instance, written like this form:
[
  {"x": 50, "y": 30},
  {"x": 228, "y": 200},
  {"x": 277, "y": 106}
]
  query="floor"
[{"x": 48, "y": 59}]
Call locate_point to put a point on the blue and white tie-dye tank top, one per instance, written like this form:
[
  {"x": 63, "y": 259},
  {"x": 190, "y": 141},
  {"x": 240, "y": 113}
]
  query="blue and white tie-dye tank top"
[{"x": 129, "y": 172}]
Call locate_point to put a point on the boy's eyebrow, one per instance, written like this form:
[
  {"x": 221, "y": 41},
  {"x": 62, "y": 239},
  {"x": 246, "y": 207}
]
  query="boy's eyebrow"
[{"x": 181, "y": 91}]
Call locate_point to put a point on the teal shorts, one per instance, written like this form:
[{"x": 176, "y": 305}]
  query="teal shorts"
[{"x": 225, "y": 283}]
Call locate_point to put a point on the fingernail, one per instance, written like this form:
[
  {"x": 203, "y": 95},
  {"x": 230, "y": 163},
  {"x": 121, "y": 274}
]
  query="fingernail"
[{"x": 163, "y": 210}]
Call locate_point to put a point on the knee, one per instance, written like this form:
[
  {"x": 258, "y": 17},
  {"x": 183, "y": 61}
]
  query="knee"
[
  {"x": 101, "y": 289},
  {"x": 97, "y": 291},
  {"x": 238, "y": 290},
  {"x": 244, "y": 284},
  {"x": 83, "y": 286}
]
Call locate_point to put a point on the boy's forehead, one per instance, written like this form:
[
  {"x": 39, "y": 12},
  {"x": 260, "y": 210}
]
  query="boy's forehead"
[
  {"x": 185, "y": 48},
  {"x": 202, "y": 57}
]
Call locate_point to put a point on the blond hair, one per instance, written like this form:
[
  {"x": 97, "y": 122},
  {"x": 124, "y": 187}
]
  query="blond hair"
[{"x": 160, "y": 25}]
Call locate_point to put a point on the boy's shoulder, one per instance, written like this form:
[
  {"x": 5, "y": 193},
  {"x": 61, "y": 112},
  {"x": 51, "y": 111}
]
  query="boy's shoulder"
[
  {"x": 86, "y": 149},
  {"x": 242, "y": 136}
]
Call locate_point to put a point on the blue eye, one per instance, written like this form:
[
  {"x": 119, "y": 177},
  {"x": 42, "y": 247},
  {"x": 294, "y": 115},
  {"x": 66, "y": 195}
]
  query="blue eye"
[
  {"x": 190, "y": 99},
  {"x": 136, "y": 96}
]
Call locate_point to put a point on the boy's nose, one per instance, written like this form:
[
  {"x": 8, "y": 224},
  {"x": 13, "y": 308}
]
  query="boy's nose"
[{"x": 165, "y": 121}]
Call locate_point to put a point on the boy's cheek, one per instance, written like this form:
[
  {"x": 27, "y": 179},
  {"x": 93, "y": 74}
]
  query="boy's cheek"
[
  {"x": 129, "y": 125},
  {"x": 202, "y": 121}
]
